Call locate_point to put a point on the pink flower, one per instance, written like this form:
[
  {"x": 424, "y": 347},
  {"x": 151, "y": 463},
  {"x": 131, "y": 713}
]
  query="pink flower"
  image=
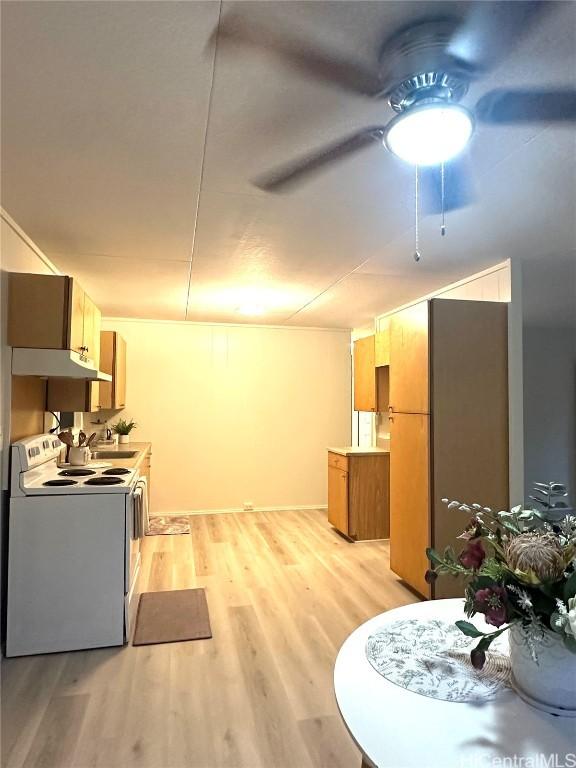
[
  {"x": 492, "y": 603},
  {"x": 473, "y": 556}
]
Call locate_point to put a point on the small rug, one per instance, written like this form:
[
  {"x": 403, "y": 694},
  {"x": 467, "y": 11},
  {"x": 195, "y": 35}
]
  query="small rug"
[
  {"x": 162, "y": 525},
  {"x": 172, "y": 617},
  {"x": 432, "y": 658}
]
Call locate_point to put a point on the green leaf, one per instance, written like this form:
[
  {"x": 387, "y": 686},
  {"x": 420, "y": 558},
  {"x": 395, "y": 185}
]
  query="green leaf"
[
  {"x": 469, "y": 629},
  {"x": 433, "y": 556}
]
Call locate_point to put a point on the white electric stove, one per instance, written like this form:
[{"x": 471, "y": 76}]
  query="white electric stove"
[
  {"x": 73, "y": 551},
  {"x": 35, "y": 471}
]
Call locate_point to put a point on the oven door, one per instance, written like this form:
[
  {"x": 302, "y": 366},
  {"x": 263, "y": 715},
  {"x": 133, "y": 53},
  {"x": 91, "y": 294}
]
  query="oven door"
[{"x": 136, "y": 518}]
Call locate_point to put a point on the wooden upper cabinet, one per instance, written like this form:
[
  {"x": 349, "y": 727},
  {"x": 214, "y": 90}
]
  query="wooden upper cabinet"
[
  {"x": 113, "y": 361},
  {"x": 72, "y": 395},
  {"x": 382, "y": 346},
  {"x": 119, "y": 375},
  {"x": 84, "y": 323},
  {"x": 38, "y": 311},
  {"x": 409, "y": 360},
  {"x": 52, "y": 312},
  {"x": 365, "y": 393},
  {"x": 91, "y": 334},
  {"x": 76, "y": 316},
  {"x": 79, "y": 395}
]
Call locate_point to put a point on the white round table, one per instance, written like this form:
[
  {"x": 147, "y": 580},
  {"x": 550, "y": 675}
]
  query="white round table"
[{"x": 396, "y": 728}]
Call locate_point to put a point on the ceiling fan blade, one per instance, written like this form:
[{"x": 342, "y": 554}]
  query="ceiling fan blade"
[
  {"x": 320, "y": 64},
  {"x": 295, "y": 172},
  {"x": 504, "y": 107},
  {"x": 458, "y": 186},
  {"x": 491, "y": 31}
]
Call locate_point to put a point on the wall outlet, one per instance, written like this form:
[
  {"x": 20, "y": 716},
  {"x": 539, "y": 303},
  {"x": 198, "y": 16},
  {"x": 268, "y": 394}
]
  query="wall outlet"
[{"x": 248, "y": 505}]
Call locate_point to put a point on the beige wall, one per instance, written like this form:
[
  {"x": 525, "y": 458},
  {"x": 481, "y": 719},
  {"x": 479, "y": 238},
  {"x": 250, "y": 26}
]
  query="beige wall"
[{"x": 236, "y": 413}]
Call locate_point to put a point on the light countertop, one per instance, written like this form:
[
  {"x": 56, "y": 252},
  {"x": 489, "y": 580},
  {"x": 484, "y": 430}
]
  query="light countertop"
[{"x": 355, "y": 451}]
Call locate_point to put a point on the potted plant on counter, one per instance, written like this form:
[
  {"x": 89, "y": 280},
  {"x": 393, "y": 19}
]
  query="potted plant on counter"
[
  {"x": 521, "y": 571},
  {"x": 122, "y": 428}
]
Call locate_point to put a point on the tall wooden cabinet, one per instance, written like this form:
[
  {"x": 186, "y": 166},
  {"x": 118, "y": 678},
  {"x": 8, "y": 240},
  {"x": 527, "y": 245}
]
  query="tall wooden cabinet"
[{"x": 448, "y": 427}]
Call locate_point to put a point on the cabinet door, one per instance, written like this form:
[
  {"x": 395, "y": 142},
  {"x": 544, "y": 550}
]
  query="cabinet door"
[
  {"x": 70, "y": 395},
  {"x": 365, "y": 398},
  {"x": 410, "y": 498},
  {"x": 93, "y": 396},
  {"x": 119, "y": 383},
  {"x": 409, "y": 355},
  {"x": 76, "y": 317},
  {"x": 107, "y": 366},
  {"x": 338, "y": 499},
  {"x": 382, "y": 345},
  {"x": 92, "y": 321},
  {"x": 37, "y": 311}
]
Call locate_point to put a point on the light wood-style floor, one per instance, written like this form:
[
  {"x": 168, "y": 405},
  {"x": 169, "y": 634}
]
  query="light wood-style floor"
[{"x": 284, "y": 590}]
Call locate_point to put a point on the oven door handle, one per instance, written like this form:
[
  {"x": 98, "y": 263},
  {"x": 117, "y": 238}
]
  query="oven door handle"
[
  {"x": 140, "y": 507},
  {"x": 136, "y": 512}
]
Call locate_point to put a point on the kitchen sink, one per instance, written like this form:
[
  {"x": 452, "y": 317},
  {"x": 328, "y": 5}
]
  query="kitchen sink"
[{"x": 113, "y": 454}]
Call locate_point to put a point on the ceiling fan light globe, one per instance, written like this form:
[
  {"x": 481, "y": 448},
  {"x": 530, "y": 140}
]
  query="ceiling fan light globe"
[{"x": 429, "y": 134}]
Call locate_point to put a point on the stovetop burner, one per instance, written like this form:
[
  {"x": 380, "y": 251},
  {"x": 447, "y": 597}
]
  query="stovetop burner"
[
  {"x": 104, "y": 481},
  {"x": 116, "y": 471},
  {"x": 76, "y": 472},
  {"x": 60, "y": 482}
]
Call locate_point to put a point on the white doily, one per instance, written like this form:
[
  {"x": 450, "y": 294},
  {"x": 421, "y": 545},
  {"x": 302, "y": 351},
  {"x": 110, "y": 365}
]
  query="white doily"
[{"x": 433, "y": 658}]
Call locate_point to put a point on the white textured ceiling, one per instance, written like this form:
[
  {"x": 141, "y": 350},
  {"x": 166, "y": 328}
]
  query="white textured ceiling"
[{"x": 128, "y": 149}]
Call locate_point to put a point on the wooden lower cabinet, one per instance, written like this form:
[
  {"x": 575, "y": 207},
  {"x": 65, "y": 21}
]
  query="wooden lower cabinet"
[
  {"x": 358, "y": 495},
  {"x": 338, "y": 499},
  {"x": 410, "y": 498}
]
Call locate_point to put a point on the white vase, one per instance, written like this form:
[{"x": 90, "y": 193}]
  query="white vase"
[
  {"x": 123, "y": 438},
  {"x": 549, "y": 683}
]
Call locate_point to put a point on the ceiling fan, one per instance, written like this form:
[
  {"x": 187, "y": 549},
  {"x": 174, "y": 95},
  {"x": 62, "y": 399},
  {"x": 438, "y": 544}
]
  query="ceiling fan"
[{"x": 425, "y": 70}]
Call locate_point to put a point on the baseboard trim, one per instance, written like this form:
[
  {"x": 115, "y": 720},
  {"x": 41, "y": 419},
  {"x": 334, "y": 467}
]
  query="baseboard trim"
[{"x": 188, "y": 512}]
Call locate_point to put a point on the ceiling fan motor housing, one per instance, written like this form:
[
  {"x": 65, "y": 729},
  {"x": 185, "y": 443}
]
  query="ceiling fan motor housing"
[{"x": 416, "y": 63}]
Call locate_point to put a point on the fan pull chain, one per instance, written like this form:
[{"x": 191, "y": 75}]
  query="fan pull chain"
[
  {"x": 417, "y": 255},
  {"x": 443, "y": 220}
]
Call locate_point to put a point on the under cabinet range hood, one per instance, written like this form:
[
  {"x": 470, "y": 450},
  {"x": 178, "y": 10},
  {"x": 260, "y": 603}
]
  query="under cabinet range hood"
[{"x": 58, "y": 363}]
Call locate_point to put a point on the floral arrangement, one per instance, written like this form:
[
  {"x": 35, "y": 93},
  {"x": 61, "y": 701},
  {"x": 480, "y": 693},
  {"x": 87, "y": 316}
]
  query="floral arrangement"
[{"x": 521, "y": 568}]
